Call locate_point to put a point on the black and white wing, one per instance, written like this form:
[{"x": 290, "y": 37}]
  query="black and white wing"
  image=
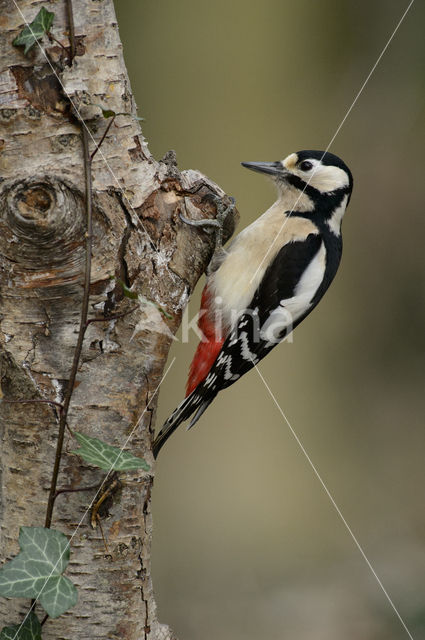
[
  {"x": 289, "y": 290},
  {"x": 282, "y": 300}
]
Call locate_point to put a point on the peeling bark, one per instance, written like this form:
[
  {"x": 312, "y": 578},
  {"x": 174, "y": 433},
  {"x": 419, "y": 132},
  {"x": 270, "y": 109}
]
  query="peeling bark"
[{"x": 138, "y": 238}]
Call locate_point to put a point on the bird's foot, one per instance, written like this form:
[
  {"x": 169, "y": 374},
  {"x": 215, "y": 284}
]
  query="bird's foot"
[{"x": 217, "y": 223}]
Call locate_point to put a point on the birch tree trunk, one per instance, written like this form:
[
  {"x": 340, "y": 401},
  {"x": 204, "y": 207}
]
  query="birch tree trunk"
[{"x": 139, "y": 239}]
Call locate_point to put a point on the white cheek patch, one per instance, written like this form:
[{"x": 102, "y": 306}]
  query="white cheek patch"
[{"x": 326, "y": 178}]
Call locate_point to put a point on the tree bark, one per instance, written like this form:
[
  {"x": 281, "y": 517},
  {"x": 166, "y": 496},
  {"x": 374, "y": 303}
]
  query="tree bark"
[{"x": 139, "y": 239}]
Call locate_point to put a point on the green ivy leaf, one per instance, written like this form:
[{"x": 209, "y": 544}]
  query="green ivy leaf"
[
  {"x": 100, "y": 454},
  {"x": 44, "y": 18},
  {"x": 35, "y": 30},
  {"x": 110, "y": 113},
  {"x": 133, "y": 295},
  {"x": 29, "y": 630},
  {"x": 36, "y": 571},
  {"x": 154, "y": 304}
]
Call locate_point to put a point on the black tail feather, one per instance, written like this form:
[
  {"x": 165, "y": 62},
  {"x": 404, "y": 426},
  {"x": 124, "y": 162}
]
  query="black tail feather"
[
  {"x": 193, "y": 402},
  {"x": 204, "y": 404}
]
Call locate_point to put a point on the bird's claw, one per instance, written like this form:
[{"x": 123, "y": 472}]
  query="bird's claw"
[
  {"x": 217, "y": 223},
  {"x": 199, "y": 223},
  {"x": 223, "y": 209}
]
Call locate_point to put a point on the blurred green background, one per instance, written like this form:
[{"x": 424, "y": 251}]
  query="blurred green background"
[{"x": 247, "y": 544}]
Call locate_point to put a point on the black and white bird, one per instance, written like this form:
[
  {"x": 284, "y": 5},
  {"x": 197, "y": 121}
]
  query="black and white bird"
[{"x": 269, "y": 278}]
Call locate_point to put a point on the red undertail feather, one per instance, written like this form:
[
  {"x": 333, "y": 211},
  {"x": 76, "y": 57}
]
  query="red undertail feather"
[{"x": 208, "y": 349}]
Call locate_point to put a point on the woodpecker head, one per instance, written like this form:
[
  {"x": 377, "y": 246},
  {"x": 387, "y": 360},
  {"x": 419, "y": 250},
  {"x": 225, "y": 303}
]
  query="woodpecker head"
[{"x": 318, "y": 174}]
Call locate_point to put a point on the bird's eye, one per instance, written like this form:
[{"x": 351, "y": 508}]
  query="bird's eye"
[{"x": 306, "y": 165}]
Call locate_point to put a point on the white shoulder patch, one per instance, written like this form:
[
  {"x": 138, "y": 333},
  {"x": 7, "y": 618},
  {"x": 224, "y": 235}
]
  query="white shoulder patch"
[
  {"x": 289, "y": 310},
  {"x": 311, "y": 279}
]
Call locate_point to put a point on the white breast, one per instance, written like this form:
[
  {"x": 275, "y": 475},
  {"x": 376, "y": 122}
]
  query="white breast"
[{"x": 236, "y": 280}]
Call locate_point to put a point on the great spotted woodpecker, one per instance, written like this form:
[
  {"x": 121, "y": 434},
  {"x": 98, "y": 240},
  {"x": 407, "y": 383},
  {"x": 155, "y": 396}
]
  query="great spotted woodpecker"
[{"x": 270, "y": 277}]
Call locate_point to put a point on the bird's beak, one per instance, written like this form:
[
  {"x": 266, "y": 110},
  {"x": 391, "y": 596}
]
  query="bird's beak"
[{"x": 272, "y": 168}]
